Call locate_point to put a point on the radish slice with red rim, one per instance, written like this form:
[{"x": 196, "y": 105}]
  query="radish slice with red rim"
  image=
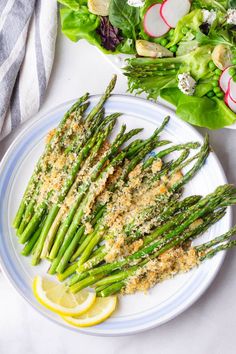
[
  {"x": 232, "y": 90},
  {"x": 153, "y": 23},
  {"x": 225, "y": 79},
  {"x": 229, "y": 102},
  {"x": 173, "y": 10}
]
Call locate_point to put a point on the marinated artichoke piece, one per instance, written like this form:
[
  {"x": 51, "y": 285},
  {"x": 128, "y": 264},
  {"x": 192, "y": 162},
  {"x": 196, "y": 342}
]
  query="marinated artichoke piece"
[
  {"x": 99, "y": 7},
  {"x": 222, "y": 56},
  {"x": 150, "y": 49}
]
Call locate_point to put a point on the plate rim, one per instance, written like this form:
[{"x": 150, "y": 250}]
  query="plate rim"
[{"x": 182, "y": 308}]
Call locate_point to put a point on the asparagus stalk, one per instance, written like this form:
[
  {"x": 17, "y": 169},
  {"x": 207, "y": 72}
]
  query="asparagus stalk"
[
  {"x": 103, "y": 136},
  {"x": 91, "y": 115},
  {"x": 168, "y": 151},
  {"x": 33, "y": 203},
  {"x": 82, "y": 190},
  {"x": 120, "y": 140},
  {"x": 77, "y": 278},
  {"x": 32, "y": 242},
  {"x": 202, "y": 156},
  {"x": 203, "y": 207},
  {"x": 123, "y": 275},
  {"x": 103, "y": 99},
  {"x": 93, "y": 261},
  {"x": 93, "y": 241},
  {"x": 68, "y": 272},
  {"x": 79, "y": 214},
  {"x": 32, "y": 225},
  {"x": 169, "y": 212},
  {"x": 216, "y": 241},
  {"x": 70, "y": 249},
  {"x": 48, "y": 148},
  {"x": 112, "y": 289},
  {"x": 214, "y": 251}
]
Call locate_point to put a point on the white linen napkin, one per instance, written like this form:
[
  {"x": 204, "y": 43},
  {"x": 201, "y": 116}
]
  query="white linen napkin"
[{"x": 28, "y": 31}]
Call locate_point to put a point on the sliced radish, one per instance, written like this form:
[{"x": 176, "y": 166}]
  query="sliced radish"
[
  {"x": 232, "y": 90},
  {"x": 230, "y": 103},
  {"x": 173, "y": 10},
  {"x": 153, "y": 23},
  {"x": 224, "y": 79}
]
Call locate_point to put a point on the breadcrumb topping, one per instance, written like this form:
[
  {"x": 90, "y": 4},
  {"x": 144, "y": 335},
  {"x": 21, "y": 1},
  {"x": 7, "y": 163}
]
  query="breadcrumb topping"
[
  {"x": 134, "y": 209},
  {"x": 166, "y": 266}
]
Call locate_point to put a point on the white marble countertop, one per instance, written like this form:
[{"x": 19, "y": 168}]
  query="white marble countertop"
[{"x": 207, "y": 327}]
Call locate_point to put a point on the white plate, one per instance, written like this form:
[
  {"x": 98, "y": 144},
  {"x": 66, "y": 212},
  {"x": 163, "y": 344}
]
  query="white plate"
[
  {"x": 137, "y": 312},
  {"x": 118, "y": 61}
]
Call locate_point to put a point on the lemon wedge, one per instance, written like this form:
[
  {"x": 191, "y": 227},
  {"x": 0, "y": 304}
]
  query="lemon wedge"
[
  {"x": 97, "y": 313},
  {"x": 57, "y": 298}
]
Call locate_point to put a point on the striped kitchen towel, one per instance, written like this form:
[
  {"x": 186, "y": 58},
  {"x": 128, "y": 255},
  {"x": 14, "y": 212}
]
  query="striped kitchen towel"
[{"x": 28, "y": 31}]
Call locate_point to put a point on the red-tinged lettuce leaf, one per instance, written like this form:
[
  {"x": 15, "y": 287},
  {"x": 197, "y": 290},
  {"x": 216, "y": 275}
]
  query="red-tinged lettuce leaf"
[{"x": 110, "y": 37}]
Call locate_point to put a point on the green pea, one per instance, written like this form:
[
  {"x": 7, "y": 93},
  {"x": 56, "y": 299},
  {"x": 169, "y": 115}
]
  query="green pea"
[
  {"x": 232, "y": 71},
  {"x": 216, "y": 77},
  {"x": 158, "y": 40},
  {"x": 234, "y": 61},
  {"x": 173, "y": 49},
  {"x": 215, "y": 83},
  {"x": 211, "y": 65},
  {"x": 210, "y": 94},
  {"x": 234, "y": 78},
  {"x": 220, "y": 95},
  {"x": 164, "y": 42},
  {"x": 171, "y": 32},
  {"x": 216, "y": 89},
  {"x": 185, "y": 30},
  {"x": 218, "y": 72}
]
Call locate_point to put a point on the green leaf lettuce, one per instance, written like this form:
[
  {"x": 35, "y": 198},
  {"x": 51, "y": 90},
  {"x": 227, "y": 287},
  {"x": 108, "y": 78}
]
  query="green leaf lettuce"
[{"x": 202, "y": 112}]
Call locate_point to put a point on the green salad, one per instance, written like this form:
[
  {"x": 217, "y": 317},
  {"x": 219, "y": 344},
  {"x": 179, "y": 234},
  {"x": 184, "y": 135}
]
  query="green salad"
[{"x": 184, "y": 51}]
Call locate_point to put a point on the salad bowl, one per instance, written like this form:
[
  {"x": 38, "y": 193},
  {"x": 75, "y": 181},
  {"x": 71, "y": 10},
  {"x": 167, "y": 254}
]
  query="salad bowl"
[{"x": 182, "y": 52}]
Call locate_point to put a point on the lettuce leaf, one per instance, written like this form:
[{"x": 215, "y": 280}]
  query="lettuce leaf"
[
  {"x": 199, "y": 111},
  {"x": 73, "y": 4},
  {"x": 80, "y": 24},
  {"x": 152, "y": 86},
  {"x": 197, "y": 62},
  {"x": 221, "y": 5},
  {"x": 124, "y": 17},
  {"x": 218, "y": 36},
  {"x": 193, "y": 20},
  {"x": 127, "y": 46},
  {"x": 232, "y": 4}
]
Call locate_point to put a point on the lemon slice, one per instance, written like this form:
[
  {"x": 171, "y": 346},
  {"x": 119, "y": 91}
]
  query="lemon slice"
[
  {"x": 98, "y": 312},
  {"x": 57, "y": 298}
]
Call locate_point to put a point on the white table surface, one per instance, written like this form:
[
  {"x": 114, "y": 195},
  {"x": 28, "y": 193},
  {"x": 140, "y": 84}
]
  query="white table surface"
[{"x": 209, "y": 326}]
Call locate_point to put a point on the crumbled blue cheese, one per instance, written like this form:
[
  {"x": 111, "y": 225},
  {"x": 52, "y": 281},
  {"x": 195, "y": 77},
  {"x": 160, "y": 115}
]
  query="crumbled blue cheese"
[
  {"x": 231, "y": 16},
  {"x": 136, "y": 3},
  {"x": 186, "y": 84},
  {"x": 208, "y": 16}
]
